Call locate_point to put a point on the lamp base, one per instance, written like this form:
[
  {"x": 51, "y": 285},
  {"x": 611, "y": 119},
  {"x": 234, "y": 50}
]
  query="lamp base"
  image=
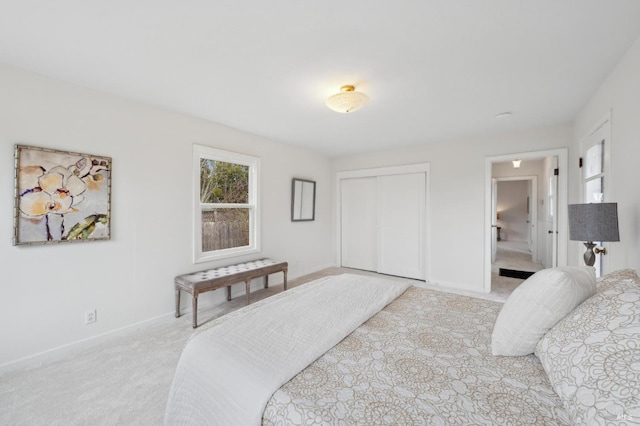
[{"x": 589, "y": 255}]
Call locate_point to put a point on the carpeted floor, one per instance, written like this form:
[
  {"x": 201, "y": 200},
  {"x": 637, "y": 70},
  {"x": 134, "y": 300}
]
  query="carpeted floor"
[
  {"x": 510, "y": 255},
  {"x": 123, "y": 379}
]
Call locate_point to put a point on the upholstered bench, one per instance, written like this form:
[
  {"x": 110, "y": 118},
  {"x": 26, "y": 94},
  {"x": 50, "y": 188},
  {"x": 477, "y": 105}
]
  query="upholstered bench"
[{"x": 225, "y": 276}]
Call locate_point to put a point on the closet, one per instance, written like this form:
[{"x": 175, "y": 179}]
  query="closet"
[{"x": 383, "y": 222}]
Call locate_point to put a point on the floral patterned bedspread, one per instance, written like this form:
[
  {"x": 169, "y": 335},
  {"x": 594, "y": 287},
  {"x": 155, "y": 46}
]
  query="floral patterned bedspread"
[{"x": 424, "y": 359}]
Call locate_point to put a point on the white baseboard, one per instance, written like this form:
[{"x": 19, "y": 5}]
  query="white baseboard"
[
  {"x": 62, "y": 351},
  {"x": 461, "y": 289}
]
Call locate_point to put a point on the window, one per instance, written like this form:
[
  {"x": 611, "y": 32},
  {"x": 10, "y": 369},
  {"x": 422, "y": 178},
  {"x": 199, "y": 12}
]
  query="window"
[
  {"x": 226, "y": 213},
  {"x": 595, "y": 153},
  {"x": 594, "y": 174}
]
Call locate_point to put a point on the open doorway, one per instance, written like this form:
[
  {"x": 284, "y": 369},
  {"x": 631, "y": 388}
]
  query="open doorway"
[
  {"x": 532, "y": 221},
  {"x": 516, "y": 255}
]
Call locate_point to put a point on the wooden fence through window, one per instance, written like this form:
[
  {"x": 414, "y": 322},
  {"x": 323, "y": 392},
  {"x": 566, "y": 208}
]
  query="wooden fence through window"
[{"x": 222, "y": 232}]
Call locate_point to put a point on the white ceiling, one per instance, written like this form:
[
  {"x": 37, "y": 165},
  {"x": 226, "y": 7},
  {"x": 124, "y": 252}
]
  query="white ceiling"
[{"x": 435, "y": 70}]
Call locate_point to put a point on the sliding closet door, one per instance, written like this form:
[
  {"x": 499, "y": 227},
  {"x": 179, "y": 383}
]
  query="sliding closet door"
[
  {"x": 359, "y": 223},
  {"x": 401, "y": 223},
  {"x": 382, "y": 221}
]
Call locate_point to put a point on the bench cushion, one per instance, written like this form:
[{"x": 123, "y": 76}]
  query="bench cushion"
[{"x": 237, "y": 272}]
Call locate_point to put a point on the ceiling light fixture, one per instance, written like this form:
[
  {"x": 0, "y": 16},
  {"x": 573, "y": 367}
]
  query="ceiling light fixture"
[
  {"x": 348, "y": 100},
  {"x": 516, "y": 164}
]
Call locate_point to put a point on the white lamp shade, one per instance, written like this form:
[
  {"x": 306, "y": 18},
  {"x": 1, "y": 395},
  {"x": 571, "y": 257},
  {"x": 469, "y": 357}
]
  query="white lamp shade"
[{"x": 348, "y": 100}]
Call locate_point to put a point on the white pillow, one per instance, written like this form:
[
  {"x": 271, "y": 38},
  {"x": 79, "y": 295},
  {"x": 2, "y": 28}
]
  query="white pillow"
[{"x": 538, "y": 304}]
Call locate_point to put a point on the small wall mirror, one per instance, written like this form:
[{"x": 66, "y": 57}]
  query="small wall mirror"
[{"x": 303, "y": 200}]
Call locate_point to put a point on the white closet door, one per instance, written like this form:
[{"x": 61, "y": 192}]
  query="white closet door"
[
  {"x": 383, "y": 224},
  {"x": 401, "y": 225},
  {"x": 359, "y": 223}
]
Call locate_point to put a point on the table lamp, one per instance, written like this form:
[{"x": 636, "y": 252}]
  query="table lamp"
[{"x": 593, "y": 222}]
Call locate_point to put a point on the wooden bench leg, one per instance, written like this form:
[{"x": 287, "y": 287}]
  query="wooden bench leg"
[
  {"x": 194, "y": 303},
  {"x": 285, "y": 279},
  {"x": 228, "y": 292},
  {"x": 177, "y": 302},
  {"x": 248, "y": 290},
  {"x": 266, "y": 281}
]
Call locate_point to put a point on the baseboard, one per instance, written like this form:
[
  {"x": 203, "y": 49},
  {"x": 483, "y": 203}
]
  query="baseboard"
[
  {"x": 456, "y": 286},
  {"x": 460, "y": 289},
  {"x": 62, "y": 351}
]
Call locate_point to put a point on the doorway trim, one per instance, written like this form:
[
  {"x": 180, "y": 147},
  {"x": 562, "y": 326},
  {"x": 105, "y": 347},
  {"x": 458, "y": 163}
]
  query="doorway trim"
[
  {"x": 385, "y": 171},
  {"x": 563, "y": 173}
]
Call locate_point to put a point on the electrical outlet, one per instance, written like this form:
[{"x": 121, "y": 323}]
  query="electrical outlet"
[{"x": 90, "y": 316}]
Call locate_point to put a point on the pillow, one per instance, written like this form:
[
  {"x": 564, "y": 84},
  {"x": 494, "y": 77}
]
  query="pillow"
[
  {"x": 592, "y": 357},
  {"x": 615, "y": 278},
  {"x": 538, "y": 304}
]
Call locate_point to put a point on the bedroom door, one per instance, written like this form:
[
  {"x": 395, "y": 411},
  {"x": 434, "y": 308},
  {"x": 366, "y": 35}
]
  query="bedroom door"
[{"x": 383, "y": 226}]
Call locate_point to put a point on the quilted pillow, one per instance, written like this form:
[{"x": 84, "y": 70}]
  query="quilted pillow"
[
  {"x": 614, "y": 278},
  {"x": 538, "y": 304},
  {"x": 592, "y": 357}
]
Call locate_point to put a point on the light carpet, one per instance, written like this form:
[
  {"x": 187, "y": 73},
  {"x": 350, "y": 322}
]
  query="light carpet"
[
  {"x": 123, "y": 379},
  {"x": 510, "y": 255}
]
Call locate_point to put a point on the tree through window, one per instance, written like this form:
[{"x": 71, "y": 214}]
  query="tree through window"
[{"x": 226, "y": 213}]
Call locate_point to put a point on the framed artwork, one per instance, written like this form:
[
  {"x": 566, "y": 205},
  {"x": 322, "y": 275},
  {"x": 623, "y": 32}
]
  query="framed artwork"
[{"x": 60, "y": 196}]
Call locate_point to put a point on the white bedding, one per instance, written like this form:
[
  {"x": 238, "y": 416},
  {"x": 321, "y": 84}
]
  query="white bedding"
[
  {"x": 425, "y": 359},
  {"x": 227, "y": 374}
]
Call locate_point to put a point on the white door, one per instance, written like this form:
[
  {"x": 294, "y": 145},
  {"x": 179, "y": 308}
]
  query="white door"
[
  {"x": 530, "y": 223},
  {"x": 401, "y": 219},
  {"x": 494, "y": 220},
  {"x": 595, "y": 179},
  {"x": 553, "y": 210},
  {"x": 359, "y": 223},
  {"x": 382, "y": 222},
  {"x": 549, "y": 220}
]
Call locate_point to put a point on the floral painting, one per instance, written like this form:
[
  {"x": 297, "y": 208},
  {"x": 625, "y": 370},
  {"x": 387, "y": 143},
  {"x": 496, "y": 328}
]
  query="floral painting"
[{"x": 61, "y": 196}]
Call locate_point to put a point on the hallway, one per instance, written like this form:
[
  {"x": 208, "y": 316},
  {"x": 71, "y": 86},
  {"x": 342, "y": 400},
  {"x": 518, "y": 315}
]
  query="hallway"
[{"x": 511, "y": 255}]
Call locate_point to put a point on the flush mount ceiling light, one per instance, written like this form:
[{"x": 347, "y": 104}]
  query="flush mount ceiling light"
[
  {"x": 348, "y": 100},
  {"x": 516, "y": 164}
]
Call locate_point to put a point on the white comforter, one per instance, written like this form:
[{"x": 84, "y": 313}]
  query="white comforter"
[{"x": 226, "y": 375}]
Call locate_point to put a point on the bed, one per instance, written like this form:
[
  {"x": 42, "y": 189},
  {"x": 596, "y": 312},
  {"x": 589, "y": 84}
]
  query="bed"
[{"x": 418, "y": 356}]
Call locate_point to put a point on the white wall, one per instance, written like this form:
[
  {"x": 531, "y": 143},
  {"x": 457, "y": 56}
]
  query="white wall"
[
  {"x": 47, "y": 289},
  {"x": 620, "y": 95},
  {"x": 457, "y": 194}
]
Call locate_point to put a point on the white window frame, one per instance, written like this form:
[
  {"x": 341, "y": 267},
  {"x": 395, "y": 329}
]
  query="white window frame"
[
  {"x": 199, "y": 152},
  {"x": 599, "y": 134}
]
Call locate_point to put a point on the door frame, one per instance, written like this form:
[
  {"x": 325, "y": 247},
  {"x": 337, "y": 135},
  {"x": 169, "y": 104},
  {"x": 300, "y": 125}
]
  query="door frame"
[
  {"x": 563, "y": 171},
  {"x": 385, "y": 171}
]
